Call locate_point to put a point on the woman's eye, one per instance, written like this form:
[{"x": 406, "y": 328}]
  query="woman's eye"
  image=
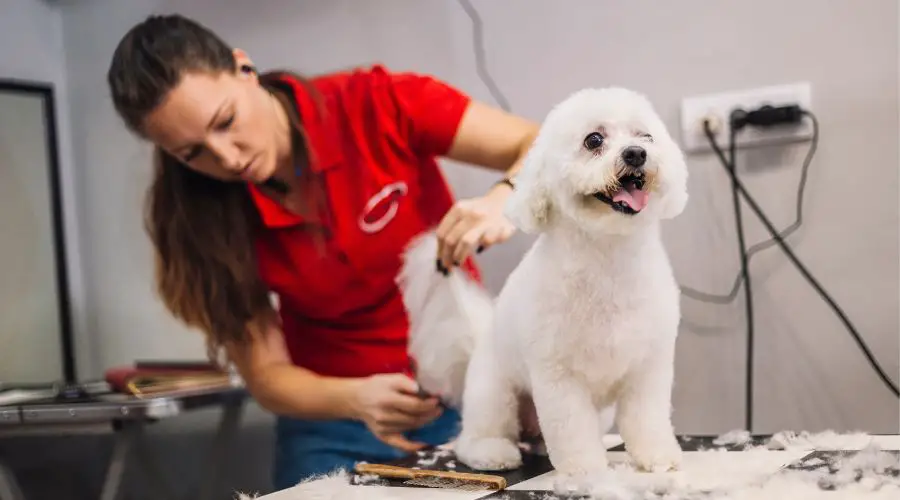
[
  {"x": 593, "y": 141},
  {"x": 227, "y": 123}
]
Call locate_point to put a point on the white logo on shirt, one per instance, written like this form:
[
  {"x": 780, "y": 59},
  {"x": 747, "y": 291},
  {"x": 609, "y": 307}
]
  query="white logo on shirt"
[{"x": 385, "y": 202}]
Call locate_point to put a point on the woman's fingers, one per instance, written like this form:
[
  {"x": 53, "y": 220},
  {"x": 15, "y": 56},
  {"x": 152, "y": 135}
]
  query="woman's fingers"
[
  {"x": 468, "y": 243},
  {"x": 413, "y": 405},
  {"x": 400, "y": 442}
]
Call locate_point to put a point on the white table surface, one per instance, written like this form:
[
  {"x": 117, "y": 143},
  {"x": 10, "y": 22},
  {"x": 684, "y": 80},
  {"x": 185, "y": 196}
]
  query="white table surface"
[{"x": 702, "y": 469}]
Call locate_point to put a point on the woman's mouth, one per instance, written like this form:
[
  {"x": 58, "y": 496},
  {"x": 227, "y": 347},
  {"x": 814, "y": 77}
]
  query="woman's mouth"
[{"x": 246, "y": 173}]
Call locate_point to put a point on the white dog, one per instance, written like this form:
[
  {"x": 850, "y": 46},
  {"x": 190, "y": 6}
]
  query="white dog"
[{"x": 586, "y": 324}]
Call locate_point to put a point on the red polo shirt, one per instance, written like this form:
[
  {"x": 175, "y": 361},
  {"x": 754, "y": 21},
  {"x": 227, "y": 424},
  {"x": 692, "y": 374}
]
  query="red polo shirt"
[{"x": 373, "y": 137}]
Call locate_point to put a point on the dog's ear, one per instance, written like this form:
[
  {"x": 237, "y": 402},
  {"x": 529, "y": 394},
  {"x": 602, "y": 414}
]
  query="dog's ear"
[
  {"x": 528, "y": 207},
  {"x": 676, "y": 197}
]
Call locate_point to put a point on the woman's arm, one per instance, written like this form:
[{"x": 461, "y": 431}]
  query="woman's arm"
[
  {"x": 386, "y": 403},
  {"x": 283, "y": 388},
  {"x": 491, "y": 138}
]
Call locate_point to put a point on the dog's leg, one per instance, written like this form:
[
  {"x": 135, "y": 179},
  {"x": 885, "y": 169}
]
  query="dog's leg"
[
  {"x": 569, "y": 423},
  {"x": 644, "y": 417},
  {"x": 490, "y": 423}
]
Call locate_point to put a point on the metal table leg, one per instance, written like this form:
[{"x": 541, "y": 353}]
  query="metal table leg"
[
  {"x": 124, "y": 441},
  {"x": 127, "y": 444},
  {"x": 9, "y": 487}
]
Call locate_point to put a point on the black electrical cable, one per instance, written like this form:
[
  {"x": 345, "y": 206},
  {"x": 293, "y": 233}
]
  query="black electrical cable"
[
  {"x": 753, "y": 250},
  {"x": 745, "y": 272},
  {"x": 751, "y": 202}
]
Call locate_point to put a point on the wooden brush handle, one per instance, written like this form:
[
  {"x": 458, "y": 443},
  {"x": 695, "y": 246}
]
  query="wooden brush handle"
[
  {"x": 392, "y": 471},
  {"x": 381, "y": 470}
]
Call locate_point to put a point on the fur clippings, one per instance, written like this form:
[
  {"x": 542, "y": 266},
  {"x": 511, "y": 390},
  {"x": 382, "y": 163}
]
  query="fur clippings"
[
  {"x": 871, "y": 474},
  {"x": 337, "y": 486}
]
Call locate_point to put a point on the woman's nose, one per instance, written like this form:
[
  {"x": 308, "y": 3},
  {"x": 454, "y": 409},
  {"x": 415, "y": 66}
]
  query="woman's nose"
[{"x": 227, "y": 155}]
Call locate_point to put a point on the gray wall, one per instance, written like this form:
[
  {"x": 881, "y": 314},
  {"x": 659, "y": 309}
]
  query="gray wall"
[{"x": 810, "y": 374}]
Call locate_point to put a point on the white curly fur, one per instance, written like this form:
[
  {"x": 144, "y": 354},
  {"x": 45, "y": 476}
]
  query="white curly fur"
[
  {"x": 586, "y": 324},
  {"x": 446, "y": 314}
]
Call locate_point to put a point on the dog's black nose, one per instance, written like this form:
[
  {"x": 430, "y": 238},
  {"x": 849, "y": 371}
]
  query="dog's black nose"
[{"x": 634, "y": 156}]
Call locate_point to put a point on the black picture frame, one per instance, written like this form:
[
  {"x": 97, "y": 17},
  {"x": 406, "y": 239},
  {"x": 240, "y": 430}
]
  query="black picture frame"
[{"x": 46, "y": 92}]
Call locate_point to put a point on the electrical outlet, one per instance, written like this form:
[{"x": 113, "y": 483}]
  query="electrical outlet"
[{"x": 718, "y": 107}]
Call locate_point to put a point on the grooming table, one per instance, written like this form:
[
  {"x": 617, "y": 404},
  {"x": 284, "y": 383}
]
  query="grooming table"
[
  {"x": 127, "y": 418},
  {"x": 711, "y": 469}
]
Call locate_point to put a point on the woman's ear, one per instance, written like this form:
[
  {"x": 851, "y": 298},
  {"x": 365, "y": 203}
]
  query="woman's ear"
[{"x": 244, "y": 65}]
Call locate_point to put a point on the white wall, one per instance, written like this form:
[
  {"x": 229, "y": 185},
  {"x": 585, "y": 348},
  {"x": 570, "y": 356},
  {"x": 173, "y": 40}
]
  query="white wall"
[
  {"x": 31, "y": 34},
  {"x": 810, "y": 375}
]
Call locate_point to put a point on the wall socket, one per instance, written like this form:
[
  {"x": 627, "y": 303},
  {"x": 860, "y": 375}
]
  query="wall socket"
[{"x": 719, "y": 106}]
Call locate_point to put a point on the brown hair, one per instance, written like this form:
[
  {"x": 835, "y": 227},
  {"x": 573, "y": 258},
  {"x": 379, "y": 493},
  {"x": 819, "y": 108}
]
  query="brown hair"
[{"x": 202, "y": 229}]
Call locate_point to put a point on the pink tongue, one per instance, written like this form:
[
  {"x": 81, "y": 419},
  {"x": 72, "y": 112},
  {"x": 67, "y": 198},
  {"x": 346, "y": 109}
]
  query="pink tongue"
[{"x": 631, "y": 196}]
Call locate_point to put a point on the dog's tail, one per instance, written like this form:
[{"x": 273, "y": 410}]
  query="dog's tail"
[{"x": 447, "y": 315}]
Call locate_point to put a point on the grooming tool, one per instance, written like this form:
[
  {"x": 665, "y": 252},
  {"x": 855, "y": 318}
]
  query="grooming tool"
[{"x": 433, "y": 478}]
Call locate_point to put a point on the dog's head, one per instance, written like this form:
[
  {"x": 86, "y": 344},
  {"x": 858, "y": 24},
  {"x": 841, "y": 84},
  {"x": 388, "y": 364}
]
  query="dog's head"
[{"x": 604, "y": 161}]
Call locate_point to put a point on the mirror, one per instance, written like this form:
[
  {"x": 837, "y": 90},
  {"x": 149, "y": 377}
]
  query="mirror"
[{"x": 35, "y": 327}]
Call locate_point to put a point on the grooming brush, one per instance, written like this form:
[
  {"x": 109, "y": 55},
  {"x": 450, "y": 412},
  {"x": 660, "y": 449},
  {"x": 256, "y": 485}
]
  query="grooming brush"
[{"x": 433, "y": 478}]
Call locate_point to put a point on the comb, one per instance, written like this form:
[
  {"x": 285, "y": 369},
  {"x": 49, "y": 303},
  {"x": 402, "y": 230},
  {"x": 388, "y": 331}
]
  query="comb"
[{"x": 434, "y": 478}]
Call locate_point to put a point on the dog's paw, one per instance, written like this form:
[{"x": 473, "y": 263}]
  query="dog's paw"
[
  {"x": 602, "y": 483},
  {"x": 489, "y": 454},
  {"x": 578, "y": 465},
  {"x": 572, "y": 485},
  {"x": 657, "y": 455}
]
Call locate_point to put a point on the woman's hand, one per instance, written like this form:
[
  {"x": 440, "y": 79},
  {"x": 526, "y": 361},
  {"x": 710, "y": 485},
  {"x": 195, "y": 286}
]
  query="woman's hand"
[
  {"x": 472, "y": 226},
  {"x": 389, "y": 406}
]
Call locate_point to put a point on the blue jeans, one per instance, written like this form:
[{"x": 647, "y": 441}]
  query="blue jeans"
[{"x": 306, "y": 448}]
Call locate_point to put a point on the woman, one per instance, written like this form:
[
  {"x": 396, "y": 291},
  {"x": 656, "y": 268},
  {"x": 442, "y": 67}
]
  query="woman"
[{"x": 308, "y": 189}]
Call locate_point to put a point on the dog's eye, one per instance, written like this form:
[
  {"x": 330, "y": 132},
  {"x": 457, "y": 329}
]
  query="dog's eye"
[
  {"x": 593, "y": 141},
  {"x": 647, "y": 136}
]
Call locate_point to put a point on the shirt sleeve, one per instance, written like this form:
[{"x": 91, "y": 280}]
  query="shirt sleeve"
[{"x": 429, "y": 111}]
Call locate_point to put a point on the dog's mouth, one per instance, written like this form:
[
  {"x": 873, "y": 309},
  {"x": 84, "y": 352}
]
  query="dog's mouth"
[{"x": 628, "y": 196}]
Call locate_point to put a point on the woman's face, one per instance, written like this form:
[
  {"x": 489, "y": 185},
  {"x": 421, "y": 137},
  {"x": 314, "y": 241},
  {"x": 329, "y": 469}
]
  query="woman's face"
[{"x": 224, "y": 125}]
